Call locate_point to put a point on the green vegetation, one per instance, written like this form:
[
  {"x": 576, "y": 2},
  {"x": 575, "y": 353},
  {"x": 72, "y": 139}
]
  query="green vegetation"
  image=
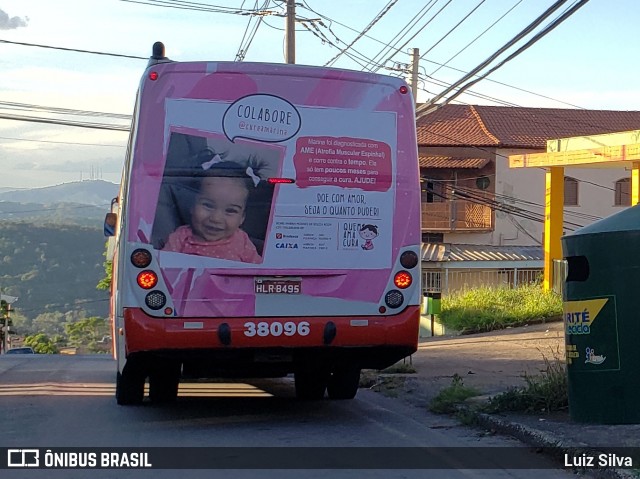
[
  {"x": 51, "y": 269},
  {"x": 545, "y": 392},
  {"x": 485, "y": 308},
  {"x": 41, "y": 343},
  {"x": 448, "y": 400}
]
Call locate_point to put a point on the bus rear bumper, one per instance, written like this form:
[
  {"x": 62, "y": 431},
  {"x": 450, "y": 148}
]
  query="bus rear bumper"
[{"x": 375, "y": 342}]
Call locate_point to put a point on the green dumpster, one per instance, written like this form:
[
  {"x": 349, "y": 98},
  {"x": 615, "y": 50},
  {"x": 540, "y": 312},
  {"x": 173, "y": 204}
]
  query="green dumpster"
[{"x": 601, "y": 302}]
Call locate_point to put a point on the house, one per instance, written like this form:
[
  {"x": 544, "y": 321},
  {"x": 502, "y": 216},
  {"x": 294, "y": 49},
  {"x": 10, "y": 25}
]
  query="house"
[{"x": 483, "y": 223}]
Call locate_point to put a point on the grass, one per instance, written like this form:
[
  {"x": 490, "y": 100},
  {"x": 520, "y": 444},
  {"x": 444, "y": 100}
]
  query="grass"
[
  {"x": 544, "y": 392},
  {"x": 448, "y": 399},
  {"x": 486, "y": 308}
]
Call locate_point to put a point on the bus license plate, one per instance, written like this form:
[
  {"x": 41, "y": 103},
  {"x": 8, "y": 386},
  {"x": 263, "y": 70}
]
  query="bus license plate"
[{"x": 278, "y": 286}]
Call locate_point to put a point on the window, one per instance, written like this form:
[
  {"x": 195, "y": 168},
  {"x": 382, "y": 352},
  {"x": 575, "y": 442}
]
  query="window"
[
  {"x": 433, "y": 192},
  {"x": 570, "y": 191},
  {"x": 623, "y": 192}
]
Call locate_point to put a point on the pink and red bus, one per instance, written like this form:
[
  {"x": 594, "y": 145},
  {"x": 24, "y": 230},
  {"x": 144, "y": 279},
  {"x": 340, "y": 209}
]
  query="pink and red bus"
[{"x": 268, "y": 223}]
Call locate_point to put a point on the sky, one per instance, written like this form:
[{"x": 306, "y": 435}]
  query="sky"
[{"x": 587, "y": 61}]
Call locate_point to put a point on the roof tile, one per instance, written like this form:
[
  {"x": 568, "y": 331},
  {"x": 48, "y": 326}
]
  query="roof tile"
[
  {"x": 449, "y": 162},
  {"x": 516, "y": 127}
]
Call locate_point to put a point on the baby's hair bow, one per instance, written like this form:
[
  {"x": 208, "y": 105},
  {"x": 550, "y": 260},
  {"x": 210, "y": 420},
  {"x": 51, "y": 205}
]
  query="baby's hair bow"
[
  {"x": 208, "y": 164},
  {"x": 254, "y": 177}
]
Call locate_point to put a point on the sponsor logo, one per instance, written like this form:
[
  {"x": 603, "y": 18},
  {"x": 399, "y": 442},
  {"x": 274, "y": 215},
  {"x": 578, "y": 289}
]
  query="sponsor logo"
[
  {"x": 285, "y": 236},
  {"x": 592, "y": 358},
  {"x": 287, "y": 245},
  {"x": 580, "y": 315}
]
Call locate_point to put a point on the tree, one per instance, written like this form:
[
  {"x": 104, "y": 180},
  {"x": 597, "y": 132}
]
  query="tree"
[
  {"x": 105, "y": 283},
  {"x": 89, "y": 334},
  {"x": 41, "y": 344},
  {"x": 49, "y": 323}
]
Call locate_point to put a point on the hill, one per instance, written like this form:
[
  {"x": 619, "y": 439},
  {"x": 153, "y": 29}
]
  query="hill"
[
  {"x": 90, "y": 192},
  {"x": 52, "y": 268},
  {"x": 82, "y": 203}
]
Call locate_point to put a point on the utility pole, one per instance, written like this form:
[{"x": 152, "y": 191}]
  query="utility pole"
[
  {"x": 414, "y": 73},
  {"x": 290, "y": 41},
  {"x": 5, "y": 310}
]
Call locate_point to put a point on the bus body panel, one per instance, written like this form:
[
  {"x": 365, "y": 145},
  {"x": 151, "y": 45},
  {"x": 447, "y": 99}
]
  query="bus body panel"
[{"x": 330, "y": 243}]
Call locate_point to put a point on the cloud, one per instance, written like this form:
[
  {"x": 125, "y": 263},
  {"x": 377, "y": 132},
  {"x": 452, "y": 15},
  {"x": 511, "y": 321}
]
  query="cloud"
[{"x": 12, "y": 23}]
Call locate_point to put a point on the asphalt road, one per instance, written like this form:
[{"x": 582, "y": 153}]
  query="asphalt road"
[{"x": 68, "y": 401}]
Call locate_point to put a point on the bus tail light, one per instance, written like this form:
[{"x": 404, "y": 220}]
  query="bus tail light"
[
  {"x": 276, "y": 181},
  {"x": 409, "y": 260},
  {"x": 394, "y": 298},
  {"x": 402, "y": 279},
  {"x": 141, "y": 258},
  {"x": 155, "y": 300},
  {"x": 147, "y": 279}
]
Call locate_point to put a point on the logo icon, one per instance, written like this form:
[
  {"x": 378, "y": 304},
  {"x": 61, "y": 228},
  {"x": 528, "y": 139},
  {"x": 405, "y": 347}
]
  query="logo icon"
[
  {"x": 278, "y": 235},
  {"x": 23, "y": 457},
  {"x": 592, "y": 358}
]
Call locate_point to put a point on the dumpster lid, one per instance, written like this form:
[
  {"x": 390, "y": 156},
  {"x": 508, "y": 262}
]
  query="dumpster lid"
[{"x": 626, "y": 220}]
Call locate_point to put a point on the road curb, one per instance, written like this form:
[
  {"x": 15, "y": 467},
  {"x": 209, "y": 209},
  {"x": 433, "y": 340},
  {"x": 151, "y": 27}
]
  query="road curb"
[{"x": 550, "y": 444}]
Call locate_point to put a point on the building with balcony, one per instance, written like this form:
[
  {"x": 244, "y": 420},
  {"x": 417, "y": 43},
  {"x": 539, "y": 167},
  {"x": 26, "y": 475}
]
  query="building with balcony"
[{"x": 482, "y": 222}]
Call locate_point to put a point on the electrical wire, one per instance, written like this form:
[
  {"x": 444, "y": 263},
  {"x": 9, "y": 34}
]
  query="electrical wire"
[
  {"x": 410, "y": 24},
  {"x": 74, "y": 50},
  {"x": 416, "y": 33},
  {"x": 60, "y": 142},
  {"x": 554, "y": 24},
  {"x": 375, "y": 20},
  {"x": 429, "y": 106},
  {"x": 454, "y": 28},
  {"x": 474, "y": 40}
]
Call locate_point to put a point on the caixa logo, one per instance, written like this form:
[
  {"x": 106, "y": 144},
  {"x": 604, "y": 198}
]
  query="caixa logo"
[
  {"x": 23, "y": 458},
  {"x": 287, "y": 245}
]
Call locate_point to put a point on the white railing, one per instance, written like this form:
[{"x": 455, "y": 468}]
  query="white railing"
[{"x": 450, "y": 281}]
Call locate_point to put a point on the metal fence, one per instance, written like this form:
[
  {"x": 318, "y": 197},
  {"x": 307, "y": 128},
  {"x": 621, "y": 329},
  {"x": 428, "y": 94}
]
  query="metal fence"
[{"x": 448, "y": 281}]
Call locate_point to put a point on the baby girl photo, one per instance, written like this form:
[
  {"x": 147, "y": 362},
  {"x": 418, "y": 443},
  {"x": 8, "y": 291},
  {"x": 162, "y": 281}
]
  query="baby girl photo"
[{"x": 214, "y": 198}]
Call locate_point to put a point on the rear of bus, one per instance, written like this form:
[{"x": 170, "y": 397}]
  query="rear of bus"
[{"x": 324, "y": 279}]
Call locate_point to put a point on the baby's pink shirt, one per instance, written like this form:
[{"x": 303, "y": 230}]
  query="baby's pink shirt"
[{"x": 238, "y": 247}]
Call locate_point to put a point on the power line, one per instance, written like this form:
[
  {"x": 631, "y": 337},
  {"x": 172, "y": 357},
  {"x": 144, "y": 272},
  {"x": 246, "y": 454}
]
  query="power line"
[
  {"x": 200, "y": 7},
  {"x": 75, "y": 50},
  {"x": 416, "y": 33},
  {"x": 306, "y": 5},
  {"x": 410, "y": 24},
  {"x": 8, "y": 105},
  {"x": 60, "y": 142},
  {"x": 375, "y": 20},
  {"x": 242, "y": 50},
  {"x": 475, "y": 39},
  {"x": 554, "y": 24},
  {"x": 454, "y": 27},
  {"x": 51, "y": 121}
]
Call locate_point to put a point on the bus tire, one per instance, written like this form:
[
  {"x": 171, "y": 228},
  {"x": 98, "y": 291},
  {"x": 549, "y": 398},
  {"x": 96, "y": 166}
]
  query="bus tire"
[
  {"x": 129, "y": 388},
  {"x": 310, "y": 385},
  {"x": 343, "y": 383},
  {"x": 163, "y": 384}
]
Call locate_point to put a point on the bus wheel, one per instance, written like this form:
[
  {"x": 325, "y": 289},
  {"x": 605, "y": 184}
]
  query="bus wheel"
[
  {"x": 163, "y": 383},
  {"x": 129, "y": 387},
  {"x": 310, "y": 385},
  {"x": 343, "y": 383}
]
